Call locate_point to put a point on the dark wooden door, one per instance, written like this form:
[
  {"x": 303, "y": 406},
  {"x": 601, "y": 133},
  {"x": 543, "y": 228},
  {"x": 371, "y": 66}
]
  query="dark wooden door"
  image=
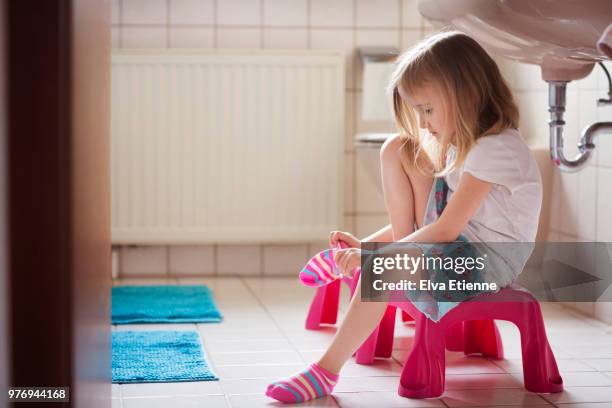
[{"x": 59, "y": 196}]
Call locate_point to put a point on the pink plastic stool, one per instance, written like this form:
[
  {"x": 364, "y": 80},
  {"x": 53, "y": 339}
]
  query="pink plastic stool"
[
  {"x": 474, "y": 336},
  {"x": 324, "y": 305},
  {"x": 423, "y": 375}
]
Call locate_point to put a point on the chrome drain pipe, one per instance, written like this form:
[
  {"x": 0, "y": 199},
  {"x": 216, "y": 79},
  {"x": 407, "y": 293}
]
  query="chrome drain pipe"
[{"x": 556, "y": 107}]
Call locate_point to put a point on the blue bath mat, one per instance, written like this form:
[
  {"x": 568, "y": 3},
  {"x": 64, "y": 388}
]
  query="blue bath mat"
[
  {"x": 163, "y": 304},
  {"x": 158, "y": 356}
]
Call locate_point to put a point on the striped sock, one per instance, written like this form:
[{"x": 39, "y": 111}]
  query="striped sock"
[
  {"x": 320, "y": 270},
  {"x": 314, "y": 382}
]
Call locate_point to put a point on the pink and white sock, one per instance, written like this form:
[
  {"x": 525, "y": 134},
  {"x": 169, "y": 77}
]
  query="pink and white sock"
[
  {"x": 320, "y": 270},
  {"x": 314, "y": 382}
]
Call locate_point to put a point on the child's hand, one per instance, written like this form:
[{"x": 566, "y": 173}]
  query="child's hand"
[
  {"x": 347, "y": 260},
  {"x": 348, "y": 238}
]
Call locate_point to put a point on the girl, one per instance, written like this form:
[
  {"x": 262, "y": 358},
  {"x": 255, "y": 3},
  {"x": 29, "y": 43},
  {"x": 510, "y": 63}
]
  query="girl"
[{"x": 470, "y": 179}]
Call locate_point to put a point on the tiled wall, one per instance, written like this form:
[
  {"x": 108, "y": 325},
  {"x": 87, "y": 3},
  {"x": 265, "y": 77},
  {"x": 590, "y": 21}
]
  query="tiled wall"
[
  {"x": 342, "y": 25},
  {"x": 581, "y": 202}
]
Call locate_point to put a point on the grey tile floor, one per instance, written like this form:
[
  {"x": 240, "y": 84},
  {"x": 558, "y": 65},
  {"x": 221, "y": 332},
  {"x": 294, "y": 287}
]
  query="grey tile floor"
[{"x": 262, "y": 338}]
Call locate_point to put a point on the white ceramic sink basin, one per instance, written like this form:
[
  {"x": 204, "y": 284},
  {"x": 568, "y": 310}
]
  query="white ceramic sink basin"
[{"x": 558, "y": 35}]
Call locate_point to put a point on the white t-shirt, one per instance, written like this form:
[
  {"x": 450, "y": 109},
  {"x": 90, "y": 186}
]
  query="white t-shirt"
[{"x": 510, "y": 212}]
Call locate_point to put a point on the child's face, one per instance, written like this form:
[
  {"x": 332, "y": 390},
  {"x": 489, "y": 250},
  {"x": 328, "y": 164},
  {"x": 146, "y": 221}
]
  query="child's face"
[{"x": 432, "y": 113}]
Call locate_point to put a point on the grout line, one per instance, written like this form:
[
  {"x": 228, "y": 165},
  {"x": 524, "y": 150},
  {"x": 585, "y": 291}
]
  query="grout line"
[
  {"x": 400, "y": 8},
  {"x": 280, "y": 329},
  {"x": 308, "y": 23},
  {"x": 547, "y": 401},
  {"x": 443, "y": 402},
  {"x": 251, "y": 26},
  {"x": 167, "y": 250},
  {"x": 596, "y": 232},
  {"x": 261, "y": 24},
  {"x": 354, "y": 58},
  {"x": 167, "y": 23},
  {"x": 215, "y": 251},
  {"x": 120, "y": 18},
  {"x": 261, "y": 260},
  {"x": 215, "y": 24}
]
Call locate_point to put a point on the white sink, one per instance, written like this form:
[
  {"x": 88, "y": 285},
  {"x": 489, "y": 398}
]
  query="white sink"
[{"x": 559, "y": 35}]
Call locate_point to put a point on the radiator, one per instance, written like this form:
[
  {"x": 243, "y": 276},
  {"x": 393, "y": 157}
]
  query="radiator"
[{"x": 216, "y": 147}]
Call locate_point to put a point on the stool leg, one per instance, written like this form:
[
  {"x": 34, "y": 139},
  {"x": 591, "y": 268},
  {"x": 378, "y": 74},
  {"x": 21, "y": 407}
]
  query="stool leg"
[
  {"x": 540, "y": 372},
  {"x": 386, "y": 329},
  {"x": 482, "y": 337},
  {"x": 324, "y": 306},
  {"x": 380, "y": 342},
  {"x": 455, "y": 337},
  {"x": 406, "y": 317},
  {"x": 424, "y": 369},
  {"x": 365, "y": 353}
]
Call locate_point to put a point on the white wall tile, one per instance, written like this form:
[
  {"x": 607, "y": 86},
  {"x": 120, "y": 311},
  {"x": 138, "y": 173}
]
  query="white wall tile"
[
  {"x": 188, "y": 37},
  {"x": 349, "y": 123},
  {"x": 371, "y": 126},
  {"x": 144, "y": 261},
  {"x": 410, "y": 14},
  {"x": 587, "y": 114},
  {"x": 115, "y": 37},
  {"x": 191, "y": 260},
  {"x": 587, "y": 203},
  {"x": 507, "y": 68},
  {"x": 144, "y": 12},
  {"x": 533, "y": 106},
  {"x": 338, "y": 40},
  {"x": 368, "y": 191},
  {"x": 284, "y": 259},
  {"x": 569, "y": 202},
  {"x": 285, "y": 13},
  {"x": 238, "y": 260},
  {"x": 115, "y": 12},
  {"x": 115, "y": 263},
  {"x": 377, "y": 13},
  {"x": 375, "y": 37},
  {"x": 556, "y": 210},
  {"x": 334, "y": 13},
  {"x": 603, "y": 311},
  {"x": 591, "y": 82},
  {"x": 604, "y": 204},
  {"x": 239, "y": 12},
  {"x": 409, "y": 39},
  {"x": 191, "y": 12},
  {"x": 368, "y": 224},
  {"x": 247, "y": 38},
  {"x": 571, "y": 132},
  {"x": 349, "y": 224},
  {"x": 602, "y": 80},
  {"x": 316, "y": 247},
  {"x": 144, "y": 37},
  {"x": 604, "y": 139},
  {"x": 427, "y": 28},
  {"x": 349, "y": 182},
  {"x": 279, "y": 38},
  {"x": 386, "y": 38},
  {"x": 528, "y": 77}
]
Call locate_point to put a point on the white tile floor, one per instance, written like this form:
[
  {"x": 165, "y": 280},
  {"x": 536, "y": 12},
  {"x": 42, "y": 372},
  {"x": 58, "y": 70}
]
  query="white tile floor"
[{"x": 263, "y": 338}]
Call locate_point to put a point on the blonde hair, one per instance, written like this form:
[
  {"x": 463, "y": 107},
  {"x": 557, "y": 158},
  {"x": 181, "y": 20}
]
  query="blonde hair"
[{"x": 469, "y": 80}]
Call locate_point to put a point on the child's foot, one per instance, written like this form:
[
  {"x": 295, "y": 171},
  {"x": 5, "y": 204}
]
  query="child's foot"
[
  {"x": 314, "y": 382},
  {"x": 320, "y": 270}
]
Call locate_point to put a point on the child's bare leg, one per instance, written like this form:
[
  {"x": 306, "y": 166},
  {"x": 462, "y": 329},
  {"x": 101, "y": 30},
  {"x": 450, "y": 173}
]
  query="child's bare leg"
[
  {"x": 360, "y": 320},
  {"x": 406, "y": 192},
  {"x": 406, "y": 189}
]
